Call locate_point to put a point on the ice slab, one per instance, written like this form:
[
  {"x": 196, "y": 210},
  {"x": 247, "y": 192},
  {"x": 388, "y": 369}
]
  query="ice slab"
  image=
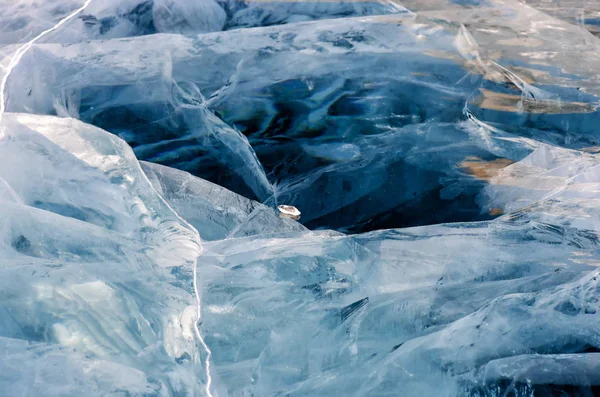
[
  {"x": 97, "y": 267},
  {"x": 111, "y": 19},
  {"x": 549, "y": 370},
  {"x": 219, "y": 213},
  {"x": 363, "y": 315},
  {"x": 300, "y": 94}
]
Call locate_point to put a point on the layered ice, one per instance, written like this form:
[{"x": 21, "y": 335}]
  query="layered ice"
[
  {"x": 98, "y": 267},
  {"x": 443, "y": 155},
  {"x": 315, "y": 122},
  {"x": 111, "y": 19}
]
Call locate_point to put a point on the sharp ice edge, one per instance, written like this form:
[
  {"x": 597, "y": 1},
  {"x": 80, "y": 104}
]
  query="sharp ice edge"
[{"x": 22, "y": 50}]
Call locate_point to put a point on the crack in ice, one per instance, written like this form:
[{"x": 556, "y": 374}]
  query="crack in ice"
[
  {"x": 198, "y": 242},
  {"x": 199, "y": 336},
  {"x": 23, "y": 49}
]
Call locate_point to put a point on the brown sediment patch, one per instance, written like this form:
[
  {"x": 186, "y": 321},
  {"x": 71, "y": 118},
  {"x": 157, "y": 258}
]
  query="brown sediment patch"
[
  {"x": 484, "y": 170},
  {"x": 498, "y": 101},
  {"x": 528, "y": 75},
  {"x": 496, "y": 211},
  {"x": 516, "y": 103}
]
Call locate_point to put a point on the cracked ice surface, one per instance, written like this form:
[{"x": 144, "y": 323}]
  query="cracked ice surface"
[{"x": 444, "y": 155}]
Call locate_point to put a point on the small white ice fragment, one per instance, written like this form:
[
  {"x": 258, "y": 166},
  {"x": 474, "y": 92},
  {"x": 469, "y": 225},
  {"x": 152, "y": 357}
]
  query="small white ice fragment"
[{"x": 289, "y": 211}]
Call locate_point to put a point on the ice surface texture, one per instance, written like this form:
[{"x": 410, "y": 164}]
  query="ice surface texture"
[{"x": 444, "y": 155}]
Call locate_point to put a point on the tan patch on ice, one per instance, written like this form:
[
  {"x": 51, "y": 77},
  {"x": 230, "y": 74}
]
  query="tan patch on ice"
[
  {"x": 528, "y": 75},
  {"x": 516, "y": 103},
  {"x": 496, "y": 211},
  {"x": 484, "y": 170}
]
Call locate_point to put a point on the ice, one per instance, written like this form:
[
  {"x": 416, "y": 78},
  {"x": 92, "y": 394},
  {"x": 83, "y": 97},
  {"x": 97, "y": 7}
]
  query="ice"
[
  {"x": 188, "y": 17},
  {"x": 552, "y": 370},
  {"x": 443, "y": 156},
  {"x": 362, "y": 314},
  {"x": 23, "y": 20},
  {"x": 111, "y": 19},
  {"x": 87, "y": 246},
  {"x": 265, "y": 13},
  {"x": 219, "y": 213},
  {"x": 41, "y": 369},
  {"x": 179, "y": 107},
  {"x": 299, "y": 91}
]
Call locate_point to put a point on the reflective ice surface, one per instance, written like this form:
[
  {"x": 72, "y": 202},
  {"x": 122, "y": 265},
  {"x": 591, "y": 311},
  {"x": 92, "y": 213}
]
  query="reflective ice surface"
[{"x": 444, "y": 155}]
